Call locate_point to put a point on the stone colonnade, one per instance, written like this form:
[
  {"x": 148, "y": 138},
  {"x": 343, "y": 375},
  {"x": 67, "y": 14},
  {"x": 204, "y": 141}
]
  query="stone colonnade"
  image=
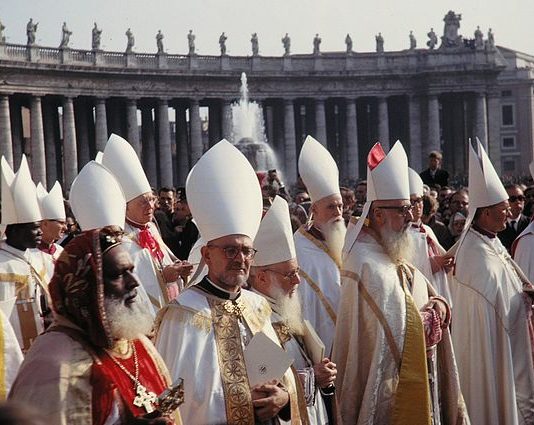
[{"x": 59, "y": 142}]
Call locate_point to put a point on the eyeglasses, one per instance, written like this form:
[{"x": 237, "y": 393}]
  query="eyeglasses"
[
  {"x": 286, "y": 276},
  {"x": 233, "y": 251},
  {"x": 402, "y": 210},
  {"x": 416, "y": 201},
  {"x": 517, "y": 198}
]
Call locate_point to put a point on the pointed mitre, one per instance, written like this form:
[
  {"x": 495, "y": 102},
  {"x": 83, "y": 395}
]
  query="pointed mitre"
[
  {"x": 51, "y": 203},
  {"x": 223, "y": 193},
  {"x": 416, "y": 183},
  {"x": 485, "y": 187},
  {"x": 274, "y": 241},
  {"x": 96, "y": 198},
  {"x": 19, "y": 195},
  {"x": 387, "y": 179},
  {"x": 120, "y": 158},
  {"x": 318, "y": 170}
]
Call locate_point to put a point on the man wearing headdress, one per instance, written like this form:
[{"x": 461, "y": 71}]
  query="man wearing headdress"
[
  {"x": 23, "y": 284},
  {"x": 275, "y": 276},
  {"x": 319, "y": 243},
  {"x": 203, "y": 334},
  {"x": 492, "y": 330},
  {"x": 94, "y": 365},
  {"x": 159, "y": 271},
  {"x": 392, "y": 346}
]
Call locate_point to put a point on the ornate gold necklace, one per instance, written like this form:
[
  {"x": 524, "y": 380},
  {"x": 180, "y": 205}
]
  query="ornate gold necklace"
[{"x": 143, "y": 398}]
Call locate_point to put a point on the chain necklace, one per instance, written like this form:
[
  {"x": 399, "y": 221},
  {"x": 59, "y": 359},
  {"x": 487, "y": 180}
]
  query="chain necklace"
[{"x": 143, "y": 398}]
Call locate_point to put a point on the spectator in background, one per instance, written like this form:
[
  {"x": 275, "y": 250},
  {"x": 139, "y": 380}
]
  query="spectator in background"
[
  {"x": 349, "y": 202},
  {"x": 529, "y": 201},
  {"x": 434, "y": 175},
  {"x": 360, "y": 193},
  {"x": 517, "y": 222},
  {"x": 164, "y": 216},
  {"x": 456, "y": 227},
  {"x": 459, "y": 203},
  {"x": 189, "y": 230},
  {"x": 430, "y": 207}
]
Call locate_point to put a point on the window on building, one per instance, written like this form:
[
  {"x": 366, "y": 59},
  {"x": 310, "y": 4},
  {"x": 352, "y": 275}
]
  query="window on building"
[
  {"x": 506, "y": 93},
  {"x": 508, "y": 115},
  {"x": 508, "y": 142},
  {"x": 508, "y": 165}
]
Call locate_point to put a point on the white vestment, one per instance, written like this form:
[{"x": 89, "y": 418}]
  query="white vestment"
[
  {"x": 320, "y": 286},
  {"x": 490, "y": 334},
  {"x": 23, "y": 288},
  {"x": 523, "y": 251},
  {"x": 421, "y": 260},
  {"x": 10, "y": 355},
  {"x": 369, "y": 342},
  {"x": 51, "y": 261},
  {"x": 186, "y": 340},
  {"x": 148, "y": 270}
]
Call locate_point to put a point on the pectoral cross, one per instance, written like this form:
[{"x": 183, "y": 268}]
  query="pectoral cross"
[{"x": 145, "y": 399}]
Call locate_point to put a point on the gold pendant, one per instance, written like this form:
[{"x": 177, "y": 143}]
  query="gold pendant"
[{"x": 145, "y": 399}]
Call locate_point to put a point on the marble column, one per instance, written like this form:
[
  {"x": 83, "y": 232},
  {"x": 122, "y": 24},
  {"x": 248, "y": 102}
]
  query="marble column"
[
  {"x": 101, "y": 124},
  {"x": 38, "y": 162},
  {"x": 481, "y": 120},
  {"x": 227, "y": 119},
  {"x": 50, "y": 124},
  {"x": 82, "y": 132},
  {"x": 353, "y": 172},
  {"x": 383, "y": 122},
  {"x": 182, "y": 155},
  {"x": 6, "y": 143},
  {"x": 164, "y": 138},
  {"x": 290, "y": 151},
  {"x": 416, "y": 147},
  {"x": 149, "y": 145},
  {"x": 494, "y": 130},
  {"x": 195, "y": 131},
  {"x": 15, "y": 114},
  {"x": 269, "y": 124},
  {"x": 132, "y": 127},
  {"x": 320, "y": 122},
  {"x": 70, "y": 156},
  {"x": 433, "y": 142}
]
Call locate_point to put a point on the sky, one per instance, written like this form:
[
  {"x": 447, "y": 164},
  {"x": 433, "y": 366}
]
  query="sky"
[{"x": 511, "y": 22}]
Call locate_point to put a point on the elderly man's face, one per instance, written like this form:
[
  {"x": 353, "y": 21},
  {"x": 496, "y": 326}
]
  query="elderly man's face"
[
  {"x": 119, "y": 281},
  {"x": 228, "y": 260},
  {"x": 53, "y": 230},
  {"x": 494, "y": 218},
  {"x": 141, "y": 209},
  {"x": 395, "y": 215},
  {"x": 282, "y": 278},
  {"x": 328, "y": 209},
  {"x": 417, "y": 207}
]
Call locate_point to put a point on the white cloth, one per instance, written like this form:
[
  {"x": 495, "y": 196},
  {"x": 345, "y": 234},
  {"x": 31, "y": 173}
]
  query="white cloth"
[
  {"x": 145, "y": 267},
  {"x": 490, "y": 334},
  {"x": 186, "y": 341},
  {"x": 324, "y": 273},
  {"x": 524, "y": 251},
  {"x": 10, "y": 356},
  {"x": 16, "y": 275},
  {"x": 421, "y": 260},
  {"x": 50, "y": 262}
]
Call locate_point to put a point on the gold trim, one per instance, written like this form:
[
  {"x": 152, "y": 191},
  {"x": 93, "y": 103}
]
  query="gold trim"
[
  {"x": 21, "y": 279},
  {"x": 256, "y": 317},
  {"x": 237, "y": 394},
  {"x": 319, "y": 244},
  {"x": 185, "y": 315},
  {"x": 329, "y": 309},
  {"x": 377, "y": 312}
]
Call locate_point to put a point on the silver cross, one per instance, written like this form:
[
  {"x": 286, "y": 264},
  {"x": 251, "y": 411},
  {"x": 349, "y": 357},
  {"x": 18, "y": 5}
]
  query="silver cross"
[{"x": 145, "y": 399}]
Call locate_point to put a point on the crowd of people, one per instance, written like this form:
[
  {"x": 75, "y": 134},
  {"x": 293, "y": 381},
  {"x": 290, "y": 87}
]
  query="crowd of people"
[{"x": 399, "y": 300}]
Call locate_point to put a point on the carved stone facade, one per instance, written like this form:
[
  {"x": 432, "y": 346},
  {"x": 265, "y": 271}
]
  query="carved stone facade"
[{"x": 427, "y": 98}]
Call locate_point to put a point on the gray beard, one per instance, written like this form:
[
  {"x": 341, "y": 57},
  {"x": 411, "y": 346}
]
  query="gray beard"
[
  {"x": 289, "y": 308},
  {"x": 334, "y": 233},
  {"x": 398, "y": 245},
  {"x": 128, "y": 322}
]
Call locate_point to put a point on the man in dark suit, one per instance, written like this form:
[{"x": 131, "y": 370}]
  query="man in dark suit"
[
  {"x": 434, "y": 176},
  {"x": 517, "y": 221}
]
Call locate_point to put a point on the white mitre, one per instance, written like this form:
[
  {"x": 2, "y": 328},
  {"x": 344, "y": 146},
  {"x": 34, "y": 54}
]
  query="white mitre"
[
  {"x": 96, "y": 198},
  {"x": 416, "y": 183},
  {"x": 223, "y": 194},
  {"x": 120, "y": 158},
  {"x": 274, "y": 241},
  {"x": 51, "y": 203},
  {"x": 318, "y": 170},
  {"x": 387, "y": 179},
  {"x": 19, "y": 195}
]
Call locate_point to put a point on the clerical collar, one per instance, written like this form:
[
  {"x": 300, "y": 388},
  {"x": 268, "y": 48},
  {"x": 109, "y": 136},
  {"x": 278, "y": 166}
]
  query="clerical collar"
[
  {"x": 315, "y": 232},
  {"x": 208, "y": 286},
  {"x": 136, "y": 224},
  {"x": 484, "y": 232}
]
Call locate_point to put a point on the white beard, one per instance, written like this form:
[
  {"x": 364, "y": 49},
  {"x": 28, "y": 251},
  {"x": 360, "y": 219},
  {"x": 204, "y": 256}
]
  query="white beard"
[
  {"x": 398, "y": 245},
  {"x": 127, "y": 322},
  {"x": 334, "y": 234},
  {"x": 291, "y": 311}
]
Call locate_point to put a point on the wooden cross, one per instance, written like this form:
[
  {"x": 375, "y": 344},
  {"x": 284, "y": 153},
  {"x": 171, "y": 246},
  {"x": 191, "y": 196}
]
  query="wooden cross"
[{"x": 145, "y": 399}]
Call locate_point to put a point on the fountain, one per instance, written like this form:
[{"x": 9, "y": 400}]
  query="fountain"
[{"x": 248, "y": 131}]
